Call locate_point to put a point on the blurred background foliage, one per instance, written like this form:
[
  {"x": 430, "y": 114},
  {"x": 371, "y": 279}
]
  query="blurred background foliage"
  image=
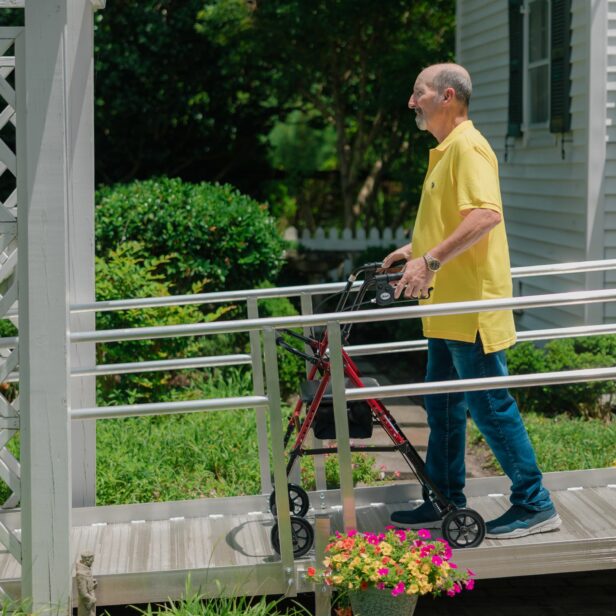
[{"x": 299, "y": 104}]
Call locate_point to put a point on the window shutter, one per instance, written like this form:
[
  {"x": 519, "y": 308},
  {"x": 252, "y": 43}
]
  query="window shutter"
[
  {"x": 560, "y": 67},
  {"x": 516, "y": 68}
]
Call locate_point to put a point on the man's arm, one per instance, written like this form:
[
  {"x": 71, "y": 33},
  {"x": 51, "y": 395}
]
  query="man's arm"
[{"x": 417, "y": 277}]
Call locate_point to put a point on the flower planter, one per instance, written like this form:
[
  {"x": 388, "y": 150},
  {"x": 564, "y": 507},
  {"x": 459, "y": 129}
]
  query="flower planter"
[{"x": 374, "y": 602}]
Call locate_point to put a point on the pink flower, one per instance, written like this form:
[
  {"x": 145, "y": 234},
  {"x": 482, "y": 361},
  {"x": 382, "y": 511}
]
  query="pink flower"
[
  {"x": 437, "y": 560},
  {"x": 451, "y": 592},
  {"x": 417, "y": 543},
  {"x": 471, "y": 572},
  {"x": 383, "y": 571},
  {"x": 453, "y": 565},
  {"x": 398, "y": 589},
  {"x": 457, "y": 588},
  {"x": 380, "y": 585},
  {"x": 352, "y": 533},
  {"x": 401, "y": 535},
  {"x": 448, "y": 553},
  {"x": 423, "y": 533},
  {"x": 390, "y": 528},
  {"x": 470, "y": 584}
]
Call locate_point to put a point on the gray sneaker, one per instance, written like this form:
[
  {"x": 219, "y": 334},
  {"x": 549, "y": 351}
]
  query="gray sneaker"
[{"x": 519, "y": 522}]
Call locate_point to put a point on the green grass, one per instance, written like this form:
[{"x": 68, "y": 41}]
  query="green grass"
[
  {"x": 194, "y": 455},
  {"x": 563, "y": 443},
  {"x": 195, "y": 605}
]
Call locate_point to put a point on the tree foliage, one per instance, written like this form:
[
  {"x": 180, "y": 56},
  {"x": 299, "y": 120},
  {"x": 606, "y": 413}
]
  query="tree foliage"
[
  {"x": 163, "y": 105},
  {"x": 350, "y": 63}
]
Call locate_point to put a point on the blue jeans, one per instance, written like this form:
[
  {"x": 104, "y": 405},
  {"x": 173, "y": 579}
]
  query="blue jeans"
[{"x": 496, "y": 414}]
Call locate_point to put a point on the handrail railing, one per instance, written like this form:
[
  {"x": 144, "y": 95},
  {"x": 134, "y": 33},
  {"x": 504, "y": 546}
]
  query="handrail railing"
[
  {"x": 318, "y": 289},
  {"x": 384, "y": 314}
]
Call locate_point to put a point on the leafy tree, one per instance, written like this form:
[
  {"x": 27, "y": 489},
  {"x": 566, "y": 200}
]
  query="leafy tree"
[
  {"x": 163, "y": 107},
  {"x": 351, "y": 63}
]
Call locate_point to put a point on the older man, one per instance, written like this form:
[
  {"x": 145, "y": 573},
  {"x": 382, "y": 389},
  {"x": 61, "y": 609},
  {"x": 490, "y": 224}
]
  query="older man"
[{"x": 459, "y": 247}]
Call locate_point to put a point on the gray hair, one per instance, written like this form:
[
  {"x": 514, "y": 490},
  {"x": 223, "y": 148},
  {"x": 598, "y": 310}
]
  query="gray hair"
[{"x": 453, "y": 77}]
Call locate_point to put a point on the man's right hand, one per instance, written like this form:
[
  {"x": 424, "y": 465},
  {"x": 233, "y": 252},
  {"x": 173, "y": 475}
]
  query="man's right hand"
[{"x": 400, "y": 254}]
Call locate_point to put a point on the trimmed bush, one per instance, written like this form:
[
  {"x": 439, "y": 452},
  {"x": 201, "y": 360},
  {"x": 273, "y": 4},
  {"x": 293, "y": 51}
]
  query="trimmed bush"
[
  {"x": 221, "y": 238},
  {"x": 589, "y": 399}
]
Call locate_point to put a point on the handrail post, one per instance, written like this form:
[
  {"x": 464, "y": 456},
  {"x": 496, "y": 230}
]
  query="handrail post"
[
  {"x": 319, "y": 461},
  {"x": 342, "y": 426},
  {"x": 283, "y": 513},
  {"x": 258, "y": 388}
]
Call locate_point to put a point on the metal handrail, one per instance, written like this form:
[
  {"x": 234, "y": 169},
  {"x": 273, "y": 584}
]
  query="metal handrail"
[
  {"x": 318, "y": 289},
  {"x": 523, "y": 336},
  {"x": 498, "y": 382},
  {"x": 170, "y": 408},
  {"x": 385, "y": 314}
]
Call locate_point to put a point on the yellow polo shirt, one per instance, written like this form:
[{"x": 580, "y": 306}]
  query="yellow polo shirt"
[{"x": 462, "y": 175}]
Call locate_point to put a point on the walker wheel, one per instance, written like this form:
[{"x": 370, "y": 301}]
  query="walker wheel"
[
  {"x": 302, "y": 535},
  {"x": 299, "y": 503},
  {"x": 464, "y": 528}
]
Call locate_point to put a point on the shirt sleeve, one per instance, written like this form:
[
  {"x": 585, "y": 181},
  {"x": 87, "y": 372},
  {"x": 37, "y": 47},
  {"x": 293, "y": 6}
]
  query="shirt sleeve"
[{"x": 477, "y": 184}]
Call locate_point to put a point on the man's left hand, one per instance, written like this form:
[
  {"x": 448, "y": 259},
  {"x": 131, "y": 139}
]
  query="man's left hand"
[{"x": 415, "y": 281}]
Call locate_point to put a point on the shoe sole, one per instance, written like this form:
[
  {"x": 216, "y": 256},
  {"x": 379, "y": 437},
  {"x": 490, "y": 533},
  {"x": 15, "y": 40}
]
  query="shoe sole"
[{"x": 546, "y": 526}]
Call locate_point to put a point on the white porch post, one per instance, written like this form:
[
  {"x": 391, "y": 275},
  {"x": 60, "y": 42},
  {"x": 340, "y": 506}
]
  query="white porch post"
[
  {"x": 44, "y": 177},
  {"x": 80, "y": 76},
  {"x": 596, "y": 151}
]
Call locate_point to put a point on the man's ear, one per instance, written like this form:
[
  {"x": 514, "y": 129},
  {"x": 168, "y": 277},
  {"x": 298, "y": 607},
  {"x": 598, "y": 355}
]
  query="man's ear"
[{"x": 449, "y": 94}]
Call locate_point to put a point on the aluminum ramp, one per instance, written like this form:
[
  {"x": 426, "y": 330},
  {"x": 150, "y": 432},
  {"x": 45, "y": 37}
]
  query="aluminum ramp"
[{"x": 145, "y": 553}]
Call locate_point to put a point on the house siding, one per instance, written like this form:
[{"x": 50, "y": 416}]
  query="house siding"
[
  {"x": 544, "y": 196},
  {"x": 610, "y": 161}
]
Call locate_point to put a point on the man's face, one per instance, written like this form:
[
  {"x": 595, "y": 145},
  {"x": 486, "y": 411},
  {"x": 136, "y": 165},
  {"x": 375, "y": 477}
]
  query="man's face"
[{"x": 426, "y": 102}]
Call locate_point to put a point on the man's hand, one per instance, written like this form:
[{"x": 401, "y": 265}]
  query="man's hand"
[
  {"x": 415, "y": 281},
  {"x": 400, "y": 254}
]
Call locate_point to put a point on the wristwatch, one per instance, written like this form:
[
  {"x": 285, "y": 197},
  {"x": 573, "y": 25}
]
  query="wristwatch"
[{"x": 434, "y": 265}]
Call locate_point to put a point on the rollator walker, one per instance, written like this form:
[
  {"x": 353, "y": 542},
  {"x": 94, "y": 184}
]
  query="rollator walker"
[{"x": 461, "y": 527}]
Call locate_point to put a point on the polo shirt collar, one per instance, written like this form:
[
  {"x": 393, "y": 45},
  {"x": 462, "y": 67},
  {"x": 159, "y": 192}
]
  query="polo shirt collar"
[{"x": 458, "y": 130}]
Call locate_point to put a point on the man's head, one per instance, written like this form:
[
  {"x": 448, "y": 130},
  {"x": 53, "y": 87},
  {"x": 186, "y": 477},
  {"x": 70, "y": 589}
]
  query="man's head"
[{"x": 441, "y": 95}]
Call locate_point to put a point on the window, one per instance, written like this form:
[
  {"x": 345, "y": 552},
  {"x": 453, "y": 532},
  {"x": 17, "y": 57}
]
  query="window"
[{"x": 537, "y": 63}]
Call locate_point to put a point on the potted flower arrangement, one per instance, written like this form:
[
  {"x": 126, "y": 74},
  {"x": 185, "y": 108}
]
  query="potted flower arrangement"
[{"x": 385, "y": 573}]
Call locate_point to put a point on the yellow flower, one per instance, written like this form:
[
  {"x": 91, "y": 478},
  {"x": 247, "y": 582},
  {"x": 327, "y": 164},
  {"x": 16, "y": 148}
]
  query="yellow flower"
[
  {"x": 356, "y": 561},
  {"x": 425, "y": 568},
  {"x": 337, "y": 579},
  {"x": 445, "y": 565},
  {"x": 386, "y": 548},
  {"x": 327, "y": 561},
  {"x": 413, "y": 589}
]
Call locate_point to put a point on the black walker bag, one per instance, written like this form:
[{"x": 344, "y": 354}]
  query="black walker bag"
[{"x": 359, "y": 412}]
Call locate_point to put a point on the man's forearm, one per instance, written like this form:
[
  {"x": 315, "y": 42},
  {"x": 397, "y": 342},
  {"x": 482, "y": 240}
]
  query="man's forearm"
[{"x": 473, "y": 227}]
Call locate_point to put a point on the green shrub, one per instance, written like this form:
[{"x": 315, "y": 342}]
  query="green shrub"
[
  {"x": 587, "y": 399},
  {"x": 124, "y": 273},
  {"x": 221, "y": 238}
]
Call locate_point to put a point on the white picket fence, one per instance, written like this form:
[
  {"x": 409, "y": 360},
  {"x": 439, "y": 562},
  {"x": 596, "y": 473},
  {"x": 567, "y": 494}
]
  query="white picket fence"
[{"x": 336, "y": 240}]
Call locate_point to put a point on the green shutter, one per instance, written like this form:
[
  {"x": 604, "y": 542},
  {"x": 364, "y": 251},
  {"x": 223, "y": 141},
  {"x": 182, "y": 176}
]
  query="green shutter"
[
  {"x": 560, "y": 67},
  {"x": 516, "y": 68}
]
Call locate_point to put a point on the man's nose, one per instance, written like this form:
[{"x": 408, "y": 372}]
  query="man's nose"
[{"x": 412, "y": 103}]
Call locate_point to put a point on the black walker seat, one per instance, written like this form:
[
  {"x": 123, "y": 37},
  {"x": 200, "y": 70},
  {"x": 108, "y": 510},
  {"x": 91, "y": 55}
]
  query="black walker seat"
[{"x": 462, "y": 528}]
